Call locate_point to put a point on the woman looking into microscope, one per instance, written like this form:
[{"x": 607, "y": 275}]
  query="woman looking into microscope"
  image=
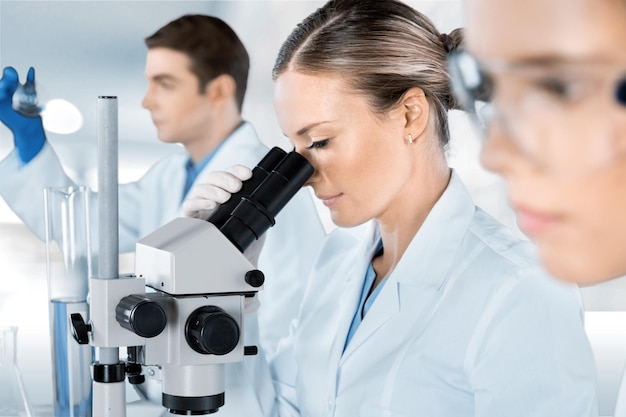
[{"x": 438, "y": 310}]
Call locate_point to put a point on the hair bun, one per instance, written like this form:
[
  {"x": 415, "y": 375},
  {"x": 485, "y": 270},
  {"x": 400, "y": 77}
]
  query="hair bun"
[
  {"x": 445, "y": 41},
  {"x": 453, "y": 41}
]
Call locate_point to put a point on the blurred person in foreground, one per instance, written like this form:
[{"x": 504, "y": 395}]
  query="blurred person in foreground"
[{"x": 545, "y": 82}]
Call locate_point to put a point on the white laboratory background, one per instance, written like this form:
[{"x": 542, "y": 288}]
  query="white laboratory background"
[{"x": 85, "y": 49}]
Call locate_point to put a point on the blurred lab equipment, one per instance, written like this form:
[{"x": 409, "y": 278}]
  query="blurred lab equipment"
[
  {"x": 30, "y": 100},
  {"x": 69, "y": 266},
  {"x": 26, "y": 100},
  {"x": 13, "y": 399}
]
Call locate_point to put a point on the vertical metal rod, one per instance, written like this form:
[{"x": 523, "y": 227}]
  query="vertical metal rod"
[
  {"x": 109, "y": 399},
  {"x": 108, "y": 237}
]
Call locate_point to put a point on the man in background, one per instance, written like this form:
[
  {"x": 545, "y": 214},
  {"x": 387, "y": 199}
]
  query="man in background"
[{"x": 197, "y": 71}]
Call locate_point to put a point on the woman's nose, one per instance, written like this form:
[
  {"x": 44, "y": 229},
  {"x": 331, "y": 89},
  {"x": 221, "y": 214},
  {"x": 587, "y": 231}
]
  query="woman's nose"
[{"x": 497, "y": 150}]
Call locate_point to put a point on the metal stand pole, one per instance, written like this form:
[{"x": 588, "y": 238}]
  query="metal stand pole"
[{"x": 109, "y": 390}]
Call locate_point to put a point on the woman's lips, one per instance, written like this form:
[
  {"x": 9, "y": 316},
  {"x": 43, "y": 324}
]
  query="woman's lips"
[
  {"x": 329, "y": 201},
  {"x": 534, "y": 222}
]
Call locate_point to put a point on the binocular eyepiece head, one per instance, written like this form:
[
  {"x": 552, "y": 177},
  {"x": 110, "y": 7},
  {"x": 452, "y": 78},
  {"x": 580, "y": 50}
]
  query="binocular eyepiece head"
[{"x": 250, "y": 212}]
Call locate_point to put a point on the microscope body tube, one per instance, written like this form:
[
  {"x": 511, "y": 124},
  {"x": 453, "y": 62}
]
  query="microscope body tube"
[{"x": 109, "y": 390}]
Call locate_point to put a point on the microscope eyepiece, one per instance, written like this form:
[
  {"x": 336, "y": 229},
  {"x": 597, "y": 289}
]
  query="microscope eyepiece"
[
  {"x": 255, "y": 213},
  {"x": 259, "y": 173}
]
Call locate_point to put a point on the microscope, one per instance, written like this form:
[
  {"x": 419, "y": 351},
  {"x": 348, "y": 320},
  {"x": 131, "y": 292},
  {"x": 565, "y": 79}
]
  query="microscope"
[{"x": 183, "y": 308}]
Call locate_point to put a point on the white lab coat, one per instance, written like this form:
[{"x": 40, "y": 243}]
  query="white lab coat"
[
  {"x": 466, "y": 325},
  {"x": 288, "y": 254},
  {"x": 620, "y": 403}
]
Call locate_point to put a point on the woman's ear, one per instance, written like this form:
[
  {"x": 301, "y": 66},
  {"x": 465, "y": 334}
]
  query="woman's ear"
[
  {"x": 416, "y": 111},
  {"x": 220, "y": 89}
]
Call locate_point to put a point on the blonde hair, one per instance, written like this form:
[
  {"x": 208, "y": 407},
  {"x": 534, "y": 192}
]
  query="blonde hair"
[{"x": 382, "y": 48}]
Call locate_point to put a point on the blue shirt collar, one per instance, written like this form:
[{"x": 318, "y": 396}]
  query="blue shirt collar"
[{"x": 193, "y": 170}]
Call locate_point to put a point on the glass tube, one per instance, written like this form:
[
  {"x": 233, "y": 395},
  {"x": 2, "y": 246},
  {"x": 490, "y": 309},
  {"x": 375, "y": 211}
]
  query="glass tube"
[{"x": 69, "y": 266}]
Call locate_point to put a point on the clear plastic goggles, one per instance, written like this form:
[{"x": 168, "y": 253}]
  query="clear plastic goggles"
[{"x": 561, "y": 115}]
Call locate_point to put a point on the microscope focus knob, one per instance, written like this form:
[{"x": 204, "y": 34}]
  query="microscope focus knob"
[
  {"x": 210, "y": 330},
  {"x": 141, "y": 315},
  {"x": 255, "y": 278}
]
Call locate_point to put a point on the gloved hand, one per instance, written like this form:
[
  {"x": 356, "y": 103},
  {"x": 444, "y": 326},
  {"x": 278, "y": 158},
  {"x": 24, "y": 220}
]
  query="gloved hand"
[
  {"x": 28, "y": 134},
  {"x": 215, "y": 189}
]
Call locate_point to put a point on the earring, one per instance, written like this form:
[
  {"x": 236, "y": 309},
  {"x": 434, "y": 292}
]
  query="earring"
[{"x": 410, "y": 139}]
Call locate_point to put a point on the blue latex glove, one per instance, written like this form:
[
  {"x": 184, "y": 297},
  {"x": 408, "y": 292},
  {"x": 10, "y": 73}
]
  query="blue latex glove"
[{"x": 28, "y": 134}]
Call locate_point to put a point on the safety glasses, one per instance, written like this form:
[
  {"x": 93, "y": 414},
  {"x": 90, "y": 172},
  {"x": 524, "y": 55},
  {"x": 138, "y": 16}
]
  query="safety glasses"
[{"x": 557, "y": 113}]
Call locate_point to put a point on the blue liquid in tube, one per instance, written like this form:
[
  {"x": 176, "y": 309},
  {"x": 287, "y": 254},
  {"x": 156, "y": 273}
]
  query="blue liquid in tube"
[{"x": 71, "y": 363}]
